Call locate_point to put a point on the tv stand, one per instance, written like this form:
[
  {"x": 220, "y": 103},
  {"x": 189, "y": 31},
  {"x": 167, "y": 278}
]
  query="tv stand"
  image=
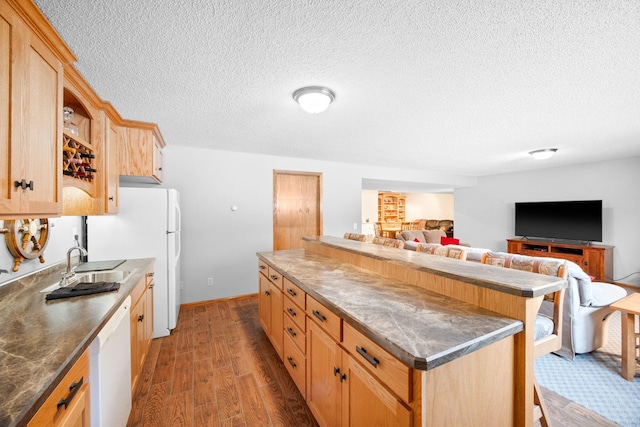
[{"x": 595, "y": 260}]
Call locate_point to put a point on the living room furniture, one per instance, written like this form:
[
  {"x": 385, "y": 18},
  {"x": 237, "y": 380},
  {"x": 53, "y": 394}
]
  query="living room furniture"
[
  {"x": 412, "y": 238},
  {"x": 630, "y": 308},
  {"x": 595, "y": 260},
  {"x": 355, "y": 236},
  {"x": 385, "y": 241},
  {"x": 391, "y": 207},
  {"x": 548, "y": 330},
  {"x": 445, "y": 251}
]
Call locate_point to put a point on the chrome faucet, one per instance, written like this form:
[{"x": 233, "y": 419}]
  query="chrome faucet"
[{"x": 69, "y": 276}]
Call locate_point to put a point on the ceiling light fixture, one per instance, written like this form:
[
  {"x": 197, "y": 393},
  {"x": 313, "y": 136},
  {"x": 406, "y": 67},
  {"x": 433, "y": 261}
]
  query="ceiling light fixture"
[
  {"x": 314, "y": 99},
  {"x": 543, "y": 154}
]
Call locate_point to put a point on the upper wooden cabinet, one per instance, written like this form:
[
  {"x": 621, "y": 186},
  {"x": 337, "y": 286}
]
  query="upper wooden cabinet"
[
  {"x": 31, "y": 92},
  {"x": 139, "y": 152}
]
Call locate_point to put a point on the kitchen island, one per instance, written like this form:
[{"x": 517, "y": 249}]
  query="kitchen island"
[
  {"x": 41, "y": 340},
  {"x": 459, "y": 327}
]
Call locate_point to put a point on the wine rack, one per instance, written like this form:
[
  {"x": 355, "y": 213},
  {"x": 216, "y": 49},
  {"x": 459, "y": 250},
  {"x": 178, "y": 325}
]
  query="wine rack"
[{"x": 77, "y": 158}]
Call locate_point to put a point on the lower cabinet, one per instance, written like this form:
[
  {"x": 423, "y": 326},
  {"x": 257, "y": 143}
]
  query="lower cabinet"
[
  {"x": 68, "y": 405},
  {"x": 141, "y": 323},
  {"x": 270, "y": 312},
  {"x": 334, "y": 371}
]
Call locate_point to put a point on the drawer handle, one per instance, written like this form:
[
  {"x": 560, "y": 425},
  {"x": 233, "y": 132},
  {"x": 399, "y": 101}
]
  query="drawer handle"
[
  {"x": 262, "y": 267},
  {"x": 274, "y": 277},
  {"x": 291, "y": 292},
  {"x": 291, "y": 312},
  {"x": 291, "y": 362},
  {"x": 318, "y": 315},
  {"x": 291, "y": 332},
  {"x": 375, "y": 362},
  {"x": 73, "y": 388}
]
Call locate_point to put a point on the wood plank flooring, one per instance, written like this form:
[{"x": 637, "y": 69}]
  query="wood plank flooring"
[{"x": 218, "y": 368}]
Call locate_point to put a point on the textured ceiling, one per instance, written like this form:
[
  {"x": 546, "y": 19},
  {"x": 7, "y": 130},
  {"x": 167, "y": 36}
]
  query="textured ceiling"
[{"x": 464, "y": 87}]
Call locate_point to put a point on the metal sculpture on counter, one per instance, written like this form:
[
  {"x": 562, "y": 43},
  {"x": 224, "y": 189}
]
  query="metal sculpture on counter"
[{"x": 26, "y": 239}]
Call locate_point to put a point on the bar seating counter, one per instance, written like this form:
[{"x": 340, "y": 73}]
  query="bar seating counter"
[{"x": 430, "y": 312}]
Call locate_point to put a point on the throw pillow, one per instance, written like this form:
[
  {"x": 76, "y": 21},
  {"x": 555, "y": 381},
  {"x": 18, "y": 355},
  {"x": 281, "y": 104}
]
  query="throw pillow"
[
  {"x": 449, "y": 241},
  {"x": 416, "y": 240}
]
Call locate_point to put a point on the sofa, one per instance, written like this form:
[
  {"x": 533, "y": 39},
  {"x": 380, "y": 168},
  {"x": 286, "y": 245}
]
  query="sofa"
[
  {"x": 445, "y": 225},
  {"x": 412, "y": 238},
  {"x": 585, "y": 312}
]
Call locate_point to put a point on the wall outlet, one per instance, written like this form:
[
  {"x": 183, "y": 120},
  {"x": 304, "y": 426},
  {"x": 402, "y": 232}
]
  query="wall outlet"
[
  {"x": 355, "y": 225},
  {"x": 210, "y": 281}
]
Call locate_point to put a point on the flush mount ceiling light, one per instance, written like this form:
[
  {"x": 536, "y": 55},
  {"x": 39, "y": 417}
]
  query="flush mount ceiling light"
[
  {"x": 314, "y": 99},
  {"x": 543, "y": 154}
]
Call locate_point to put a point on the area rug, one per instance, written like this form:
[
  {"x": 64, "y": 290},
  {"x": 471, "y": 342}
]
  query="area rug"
[{"x": 593, "y": 380}]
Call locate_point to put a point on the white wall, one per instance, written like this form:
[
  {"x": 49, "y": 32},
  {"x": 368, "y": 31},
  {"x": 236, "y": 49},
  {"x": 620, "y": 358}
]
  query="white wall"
[
  {"x": 369, "y": 205},
  {"x": 222, "y": 244},
  {"x": 429, "y": 206},
  {"x": 484, "y": 214},
  {"x": 60, "y": 240}
]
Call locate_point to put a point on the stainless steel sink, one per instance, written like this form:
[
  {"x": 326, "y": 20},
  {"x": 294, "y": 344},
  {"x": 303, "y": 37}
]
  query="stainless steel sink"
[{"x": 95, "y": 277}]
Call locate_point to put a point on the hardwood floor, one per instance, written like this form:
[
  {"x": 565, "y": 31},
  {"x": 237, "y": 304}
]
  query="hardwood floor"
[{"x": 218, "y": 368}]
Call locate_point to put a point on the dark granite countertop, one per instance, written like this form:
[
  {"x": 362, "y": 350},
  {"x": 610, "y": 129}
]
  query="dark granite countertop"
[
  {"x": 509, "y": 281},
  {"x": 41, "y": 340},
  {"x": 419, "y": 327}
]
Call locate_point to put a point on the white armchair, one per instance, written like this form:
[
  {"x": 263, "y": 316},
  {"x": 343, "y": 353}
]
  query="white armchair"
[{"x": 585, "y": 313}]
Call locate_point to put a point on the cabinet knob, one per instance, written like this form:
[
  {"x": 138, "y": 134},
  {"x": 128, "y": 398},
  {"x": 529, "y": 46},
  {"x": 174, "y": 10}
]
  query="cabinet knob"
[
  {"x": 23, "y": 184},
  {"x": 140, "y": 318},
  {"x": 111, "y": 199}
]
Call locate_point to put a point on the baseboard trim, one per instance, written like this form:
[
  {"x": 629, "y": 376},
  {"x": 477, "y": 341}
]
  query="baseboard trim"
[{"x": 234, "y": 298}]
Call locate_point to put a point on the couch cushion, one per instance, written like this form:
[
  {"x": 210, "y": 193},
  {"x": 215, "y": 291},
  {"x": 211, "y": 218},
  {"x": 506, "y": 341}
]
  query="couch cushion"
[
  {"x": 605, "y": 294},
  {"x": 433, "y": 236},
  {"x": 411, "y": 235},
  {"x": 543, "y": 327},
  {"x": 584, "y": 283},
  {"x": 473, "y": 254}
]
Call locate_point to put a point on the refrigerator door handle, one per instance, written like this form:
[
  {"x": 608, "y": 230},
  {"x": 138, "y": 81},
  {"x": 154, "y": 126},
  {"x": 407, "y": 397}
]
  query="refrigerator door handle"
[
  {"x": 178, "y": 218},
  {"x": 179, "y": 243}
]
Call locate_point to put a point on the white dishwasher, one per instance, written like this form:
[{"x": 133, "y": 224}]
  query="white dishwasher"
[{"x": 110, "y": 371}]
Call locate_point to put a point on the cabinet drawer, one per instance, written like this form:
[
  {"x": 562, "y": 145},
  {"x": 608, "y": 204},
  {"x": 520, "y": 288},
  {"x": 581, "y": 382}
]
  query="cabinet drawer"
[
  {"x": 275, "y": 277},
  {"x": 263, "y": 267},
  {"x": 327, "y": 320},
  {"x": 296, "y": 365},
  {"x": 71, "y": 388},
  {"x": 294, "y": 313},
  {"x": 295, "y": 333},
  {"x": 382, "y": 364},
  {"x": 294, "y": 293}
]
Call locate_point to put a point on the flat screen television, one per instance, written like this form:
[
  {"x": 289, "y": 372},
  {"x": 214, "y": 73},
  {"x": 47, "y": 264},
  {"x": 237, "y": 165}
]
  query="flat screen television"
[{"x": 579, "y": 220}]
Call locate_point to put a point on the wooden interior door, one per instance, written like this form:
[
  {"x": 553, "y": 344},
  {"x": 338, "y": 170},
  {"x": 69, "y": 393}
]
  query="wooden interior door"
[{"x": 297, "y": 207}]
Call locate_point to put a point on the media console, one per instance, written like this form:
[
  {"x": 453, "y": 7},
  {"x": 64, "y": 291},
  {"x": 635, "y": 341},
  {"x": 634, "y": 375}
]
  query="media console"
[{"x": 595, "y": 260}]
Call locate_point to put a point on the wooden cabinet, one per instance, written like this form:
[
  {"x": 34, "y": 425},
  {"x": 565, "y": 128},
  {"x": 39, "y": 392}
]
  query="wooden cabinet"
[
  {"x": 324, "y": 376},
  {"x": 391, "y": 207},
  {"x": 595, "y": 260},
  {"x": 342, "y": 391},
  {"x": 68, "y": 405},
  {"x": 31, "y": 75},
  {"x": 141, "y": 323},
  {"x": 270, "y": 309},
  {"x": 295, "y": 337},
  {"x": 140, "y": 152}
]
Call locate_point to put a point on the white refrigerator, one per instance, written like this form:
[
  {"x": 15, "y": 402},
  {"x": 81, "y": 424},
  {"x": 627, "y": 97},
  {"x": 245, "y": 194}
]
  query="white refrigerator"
[{"x": 147, "y": 226}]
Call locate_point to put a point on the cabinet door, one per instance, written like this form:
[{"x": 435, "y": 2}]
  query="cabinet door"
[
  {"x": 277, "y": 328},
  {"x": 78, "y": 415},
  {"x": 136, "y": 313},
  {"x": 365, "y": 402},
  {"x": 30, "y": 137},
  {"x": 323, "y": 376},
  {"x": 35, "y": 115},
  {"x": 264, "y": 304},
  {"x": 111, "y": 168},
  {"x": 148, "y": 317}
]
